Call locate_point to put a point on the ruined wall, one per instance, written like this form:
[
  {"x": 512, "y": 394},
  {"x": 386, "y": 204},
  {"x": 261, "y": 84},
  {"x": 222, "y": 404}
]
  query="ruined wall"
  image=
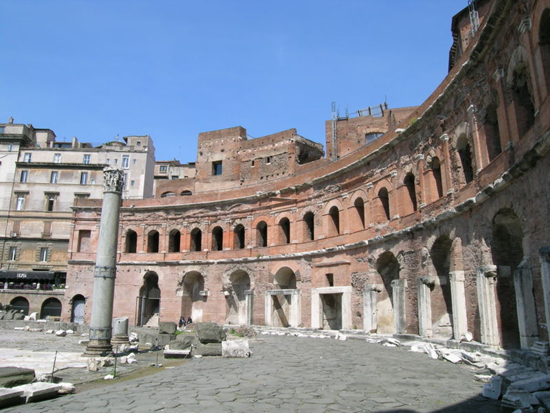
[{"x": 432, "y": 229}]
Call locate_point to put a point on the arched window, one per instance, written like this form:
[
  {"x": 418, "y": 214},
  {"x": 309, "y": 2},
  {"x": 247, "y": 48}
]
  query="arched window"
[
  {"x": 492, "y": 133},
  {"x": 284, "y": 225},
  {"x": 309, "y": 221},
  {"x": 131, "y": 242},
  {"x": 359, "y": 205},
  {"x": 411, "y": 189},
  {"x": 465, "y": 155},
  {"x": 436, "y": 175},
  {"x": 217, "y": 239},
  {"x": 186, "y": 193},
  {"x": 167, "y": 194},
  {"x": 239, "y": 237},
  {"x": 334, "y": 221},
  {"x": 20, "y": 304},
  {"x": 153, "y": 241},
  {"x": 174, "y": 241},
  {"x": 384, "y": 198},
  {"x": 523, "y": 100},
  {"x": 51, "y": 308},
  {"x": 261, "y": 234},
  {"x": 544, "y": 42},
  {"x": 196, "y": 240}
]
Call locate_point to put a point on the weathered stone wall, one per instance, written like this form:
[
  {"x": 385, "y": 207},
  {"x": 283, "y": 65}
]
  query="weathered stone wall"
[{"x": 432, "y": 229}]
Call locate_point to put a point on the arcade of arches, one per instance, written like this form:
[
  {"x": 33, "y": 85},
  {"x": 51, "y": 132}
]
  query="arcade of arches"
[{"x": 439, "y": 227}]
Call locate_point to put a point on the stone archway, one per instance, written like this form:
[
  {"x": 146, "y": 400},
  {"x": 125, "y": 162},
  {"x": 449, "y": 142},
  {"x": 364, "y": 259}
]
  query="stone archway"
[
  {"x": 238, "y": 298},
  {"x": 78, "y": 309},
  {"x": 441, "y": 297},
  {"x": 149, "y": 300},
  {"x": 20, "y": 304},
  {"x": 193, "y": 296},
  {"x": 515, "y": 310},
  {"x": 282, "y": 303},
  {"x": 51, "y": 307},
  {"x": 388, "y": 268}
]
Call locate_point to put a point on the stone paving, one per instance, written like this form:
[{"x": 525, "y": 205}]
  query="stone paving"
[{"x": 291, "y": 374}]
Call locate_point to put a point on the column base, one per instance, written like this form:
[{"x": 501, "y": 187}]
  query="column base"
[
  {"x": 98, "y": 348},
  {"x": 120, "y": 340}
]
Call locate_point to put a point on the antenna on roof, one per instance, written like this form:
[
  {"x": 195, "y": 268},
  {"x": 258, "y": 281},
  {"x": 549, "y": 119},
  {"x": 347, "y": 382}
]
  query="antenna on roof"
[{"x": 474, "y": 17}]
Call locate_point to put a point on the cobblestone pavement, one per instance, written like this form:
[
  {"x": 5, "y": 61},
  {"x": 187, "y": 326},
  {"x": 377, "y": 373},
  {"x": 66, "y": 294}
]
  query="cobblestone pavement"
[{"x": 291, "y": 374}]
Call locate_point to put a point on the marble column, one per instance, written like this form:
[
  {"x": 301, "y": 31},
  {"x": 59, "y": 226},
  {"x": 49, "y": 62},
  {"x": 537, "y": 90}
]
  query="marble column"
[
  {"x": 399, "y": 288},
  {"x": 525, "y": 304},
  {"x": 486, "y": 284},
  {"x": 545, "y": 275},
  {"x": 370, "y": 300},
  {"x": 105, "y": 268},
  {"x": 458, "y": 299},
  {"x": 425, "y": 323}
]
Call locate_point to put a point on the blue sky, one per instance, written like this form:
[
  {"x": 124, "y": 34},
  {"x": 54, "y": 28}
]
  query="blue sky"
[{"x": 174, "y": 68}]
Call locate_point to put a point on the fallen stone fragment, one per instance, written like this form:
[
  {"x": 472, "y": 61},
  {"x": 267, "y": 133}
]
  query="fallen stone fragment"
[
  {"x": 67, "y": 388},
  {"x": 61, "y": 333},
  {"x": 431, "y": 351},
  {"x": 452, "y": 357},
  {"x": 10, "y": 397},
  {"x": 493, "y": 389},
  {"x": 484, "y": 378},
  {"x": 69, "y": 331},
  {"x": 174, "y": 354},
  {"x": 467, "y": 337},
  {"x": 533, "y": 384},
  {"x": 92, "y": 364},
  {"x": 518, "y": 400},
  {"x": 39, "y": 391},
  {"x": 544, "y": 398},
  {"x": 15, "y": 376},
  {"x": 109, "y": 377},
  {"x": 235, "y": 349},
  {"x": 210, "y": 333}
]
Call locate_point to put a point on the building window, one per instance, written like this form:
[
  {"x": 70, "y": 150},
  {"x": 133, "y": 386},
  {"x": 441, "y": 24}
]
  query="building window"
[
  {"x": 50, "y": 202},
  {"x": 163, "y": 168},
  {"x": 87, "y": 159},
  {"x": 108, "y": 161},
  {"x": 53, "y": 177},
  {"x": 372, "y": 136},
  {"x": 132, "y": 183},
  {"x": 13, "y": 253},
  {"x": 84, "y": 237},
  {"x": 116, "y": 161},
  {"x": 27, "y": 157},
  {"x": 217, "y": 168},
  {"x": 20, "y": 203},
  {"x": 134, "y": 161},
  {"x": 83, "y": 178},
  {"x": 138, "y": 143},
  {"x": 175, "y": 177},
  {"x": 10, "y": 147},
  {"x": 56, "y": 158},
  {"x": 268, "y": 160},
  {"x": 125, "y": 161},
  {"x": 43, "y": 254},
  {"x": 252, "y": 163},
  {"x": 24, "y": 176},
  {"x": 124, "y": 180}
]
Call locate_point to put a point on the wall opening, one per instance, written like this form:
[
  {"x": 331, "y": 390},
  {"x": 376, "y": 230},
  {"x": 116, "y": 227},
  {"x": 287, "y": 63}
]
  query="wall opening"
[
  {"x": 217, "y": 239},
  {"x": 196, "y": 240},
  {"x": 507, "y": 253},
  {"x": 131, "y": 242}
]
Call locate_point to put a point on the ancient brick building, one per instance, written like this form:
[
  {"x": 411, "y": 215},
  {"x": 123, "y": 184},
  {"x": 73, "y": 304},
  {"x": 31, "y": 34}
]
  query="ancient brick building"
[{"x": 431, "y": 220}]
